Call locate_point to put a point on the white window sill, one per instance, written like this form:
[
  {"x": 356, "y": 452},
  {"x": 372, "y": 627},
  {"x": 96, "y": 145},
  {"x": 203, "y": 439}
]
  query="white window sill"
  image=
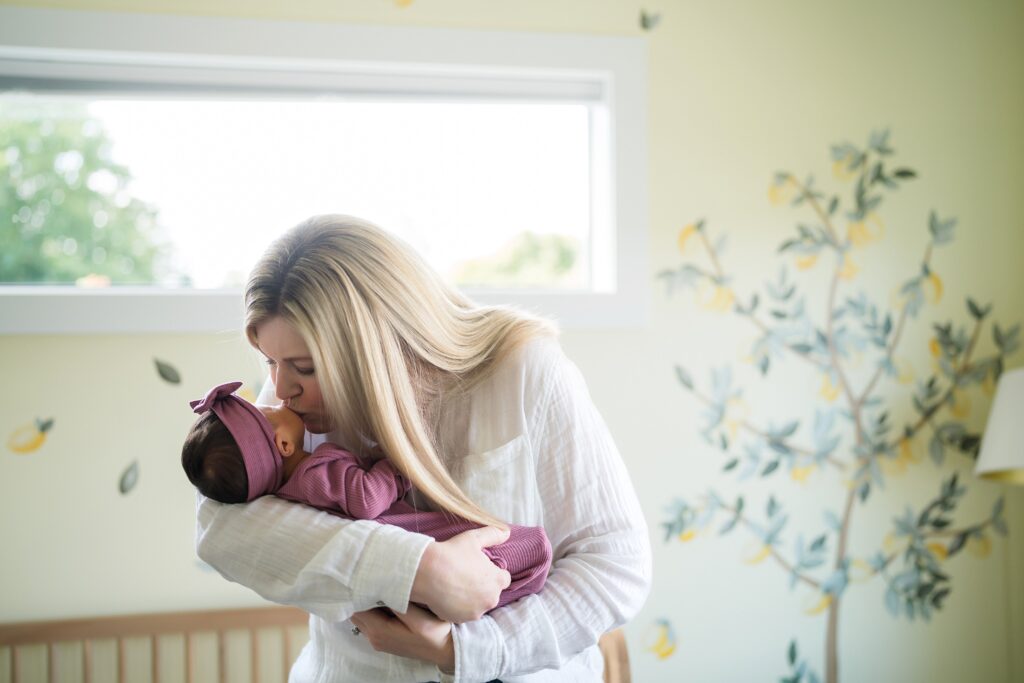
[{"x": 140, "y": 310}]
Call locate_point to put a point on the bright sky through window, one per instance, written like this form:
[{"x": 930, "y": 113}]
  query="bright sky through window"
[{"x": 462, "y": 182}]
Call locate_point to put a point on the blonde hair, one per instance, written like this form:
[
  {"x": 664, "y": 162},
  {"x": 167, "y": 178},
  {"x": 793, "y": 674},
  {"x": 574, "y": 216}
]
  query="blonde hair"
[{"x": 387, "y": 336}]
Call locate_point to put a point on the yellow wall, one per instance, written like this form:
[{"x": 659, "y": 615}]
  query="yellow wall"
[{"x": 739, "y": 90}]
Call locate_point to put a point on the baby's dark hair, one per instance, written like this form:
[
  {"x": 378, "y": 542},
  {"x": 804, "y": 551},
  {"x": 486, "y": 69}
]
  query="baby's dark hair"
[{"x": 213, "y": 461}]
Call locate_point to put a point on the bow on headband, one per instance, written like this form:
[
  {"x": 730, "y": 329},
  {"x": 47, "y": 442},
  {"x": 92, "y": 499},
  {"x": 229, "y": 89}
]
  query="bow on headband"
[{"x": 253, "y": 434}]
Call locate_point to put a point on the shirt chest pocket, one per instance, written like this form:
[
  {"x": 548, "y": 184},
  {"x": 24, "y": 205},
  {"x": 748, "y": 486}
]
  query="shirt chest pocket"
[{"x": 502, "y": 480}]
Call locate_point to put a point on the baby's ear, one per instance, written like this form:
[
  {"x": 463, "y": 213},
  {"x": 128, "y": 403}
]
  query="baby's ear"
[{"x": 284, "y": 446}]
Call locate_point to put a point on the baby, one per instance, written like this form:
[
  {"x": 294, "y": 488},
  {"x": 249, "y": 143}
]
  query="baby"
[{"x": 237, "y": 452}]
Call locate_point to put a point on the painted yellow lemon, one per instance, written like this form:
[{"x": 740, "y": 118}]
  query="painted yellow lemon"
[
  {"x": 939, "y": 550},
  {"x": 961, "y": 404},
  {"x": 904, "y": 370},
  {"x": 736, "y": 410},
  {"x": 933, "y": 288},
  {"x": 890, "y": 544},
  {"x": 30, "y": 437},
  {"x": 860, "y": 571},
  {"x": 979, "y": 547},
  {"x": 800, "y": 474},
  {"x": 782, "y": 192},
  {"x": 865, "y": 231},
  {"x": 849, "y": 269},
  {"x": 823, "y": 604},
  {"x": 829, "y": 391},
  {"x": 687, "y": 535},
  {"x": 907, "y": 450},
  {"x": 758, "y": 557},
  {"x": 893, "y": 467},
  {"x": 684, "y": 236},
  {"x": 713, "y": 297},
  {"x": 934, "y": 347},
  {"x": 841, "y": 168},
  {"x": 661, "y": 639},
  {"x": 807, "y": 261},
  {"x": 988, "y": 385}
]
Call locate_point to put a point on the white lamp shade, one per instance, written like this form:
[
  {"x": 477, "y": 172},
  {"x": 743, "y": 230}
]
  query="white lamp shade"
[{"x": 1002, "y": 446}]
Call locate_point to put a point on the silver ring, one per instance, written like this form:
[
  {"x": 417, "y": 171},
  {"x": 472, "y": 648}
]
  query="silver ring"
[{"x": 356, "y": 631}]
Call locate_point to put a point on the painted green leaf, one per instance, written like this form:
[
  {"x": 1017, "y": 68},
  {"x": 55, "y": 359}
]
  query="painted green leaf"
[
  {"x": 792, "y": 652},
  {"x": 940, "y": 595},
  {"x": 684, "y": 378},
  {"x": 649, "y": 20},
  {"x": 892, "y": 601},
  {"x": 167, "y": 372},
  {"x": 936, "y": 450},
  {"x": 956, "y": 544},
  {"x": 129, "y": 478},
  {"x": 832, "y": 520},
  {"x": 44, "y": 425},
  {"x": 731, "y": 464}
]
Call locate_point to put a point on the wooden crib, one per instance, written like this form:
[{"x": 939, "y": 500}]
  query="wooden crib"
[{"x": 256, "y": 645}]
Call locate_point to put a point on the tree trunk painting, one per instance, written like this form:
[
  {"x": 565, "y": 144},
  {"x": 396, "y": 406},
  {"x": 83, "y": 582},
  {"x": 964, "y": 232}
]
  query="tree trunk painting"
[{"x": 853, "y": 430}]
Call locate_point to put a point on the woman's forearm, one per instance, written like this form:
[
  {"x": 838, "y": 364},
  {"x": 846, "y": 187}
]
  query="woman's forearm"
[{"x": 293, "y": 554}]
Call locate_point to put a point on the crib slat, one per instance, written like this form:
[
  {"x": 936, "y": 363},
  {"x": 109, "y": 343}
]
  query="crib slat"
[
  {"x": 154, "y": 658},
  {"x": 254, "y": 655},
  {"x": 51, "y": 663},
  {"x": 121, "y": 664},
  {"x": 221, "y": 664},
  {"x": 286, "y": 646},
  {"x": 14, "y": 664},
  {"x": 188, "y": 658},
  {"x": 87, "y": 661}
]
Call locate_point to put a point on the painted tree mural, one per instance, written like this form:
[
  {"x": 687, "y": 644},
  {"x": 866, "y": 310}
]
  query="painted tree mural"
[{"x": 854, "y": 429}]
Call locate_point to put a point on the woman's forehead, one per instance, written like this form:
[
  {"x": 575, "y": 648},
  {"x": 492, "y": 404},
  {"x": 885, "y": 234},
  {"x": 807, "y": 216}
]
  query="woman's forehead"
[{"x": 280, "y": 340}]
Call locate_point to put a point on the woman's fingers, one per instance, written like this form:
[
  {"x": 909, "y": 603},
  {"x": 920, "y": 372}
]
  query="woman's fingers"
[
  {"x": 457, "y": 580},
  {"x": 372, "y": 619},
  {"x": 417, "y": 634},
  {"x": 486, "y": 536}
]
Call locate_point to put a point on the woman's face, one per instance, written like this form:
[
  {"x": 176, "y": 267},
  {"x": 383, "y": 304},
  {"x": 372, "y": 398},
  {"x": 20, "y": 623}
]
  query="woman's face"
[{"x": 292, "y": 372}]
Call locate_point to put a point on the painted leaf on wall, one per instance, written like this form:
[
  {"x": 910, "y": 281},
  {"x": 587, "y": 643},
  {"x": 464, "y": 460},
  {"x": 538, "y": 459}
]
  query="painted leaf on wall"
[
  {"x": 129, "y": 478},
  {"x": 167, "y": 372}
]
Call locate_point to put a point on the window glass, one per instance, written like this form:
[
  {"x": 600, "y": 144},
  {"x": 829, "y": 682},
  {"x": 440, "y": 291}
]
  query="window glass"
[{"x": 188, "y": 192}]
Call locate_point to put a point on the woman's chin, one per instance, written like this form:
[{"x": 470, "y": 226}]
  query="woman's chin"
[{"x": 314, "y": 426}]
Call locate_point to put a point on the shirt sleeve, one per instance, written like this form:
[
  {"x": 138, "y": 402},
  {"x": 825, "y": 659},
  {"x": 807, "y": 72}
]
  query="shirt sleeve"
[
  {"x": 295, "y": 555},
  {"x": 602, "y": 570},
  {"x": 332, "y": 479}
]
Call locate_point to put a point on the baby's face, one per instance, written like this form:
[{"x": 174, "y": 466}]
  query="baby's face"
[{"x": 285, "y": 422}]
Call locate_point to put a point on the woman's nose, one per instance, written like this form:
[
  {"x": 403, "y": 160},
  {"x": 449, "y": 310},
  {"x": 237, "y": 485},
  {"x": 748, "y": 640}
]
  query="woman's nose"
[{"x": 286, "y": 389}]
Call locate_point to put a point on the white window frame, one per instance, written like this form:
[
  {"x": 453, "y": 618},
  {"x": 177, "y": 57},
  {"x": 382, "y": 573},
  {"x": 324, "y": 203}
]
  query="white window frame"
[{"x": 117, "y": 47}]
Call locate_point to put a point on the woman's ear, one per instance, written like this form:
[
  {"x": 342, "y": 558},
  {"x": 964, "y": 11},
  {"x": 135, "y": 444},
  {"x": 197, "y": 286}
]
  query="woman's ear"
[{"x": 285, "y": 447}]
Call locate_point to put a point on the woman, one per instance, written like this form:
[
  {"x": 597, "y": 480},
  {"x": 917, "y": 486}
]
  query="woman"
[{"x": 481, "y": 410}]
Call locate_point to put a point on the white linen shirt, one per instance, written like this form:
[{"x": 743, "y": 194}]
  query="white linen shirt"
[{"x": 528, "y": 445}]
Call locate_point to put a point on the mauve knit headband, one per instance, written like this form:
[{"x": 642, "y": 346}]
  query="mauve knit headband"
[{"x": 253, "y": 434}]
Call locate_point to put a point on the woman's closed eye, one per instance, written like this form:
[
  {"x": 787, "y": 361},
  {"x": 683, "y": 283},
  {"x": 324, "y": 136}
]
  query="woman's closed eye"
[{"x": 305, "y": 370}]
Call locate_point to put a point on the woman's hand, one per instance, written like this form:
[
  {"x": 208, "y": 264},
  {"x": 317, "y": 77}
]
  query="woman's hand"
[
  {"x": 417, "y": 634},
  {"x": 456, "y": 580}
]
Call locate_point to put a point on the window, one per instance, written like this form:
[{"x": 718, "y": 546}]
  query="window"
[{"x": 178, "y": 150}]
